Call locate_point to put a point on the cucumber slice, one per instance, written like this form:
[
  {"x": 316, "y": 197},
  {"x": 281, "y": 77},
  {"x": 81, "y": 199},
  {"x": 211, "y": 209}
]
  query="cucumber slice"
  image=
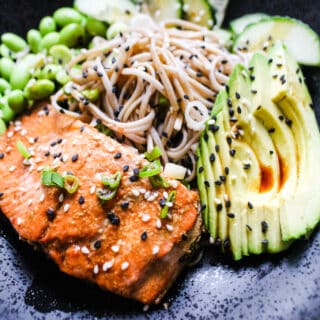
[
  {"x": 107, "y": 10},
  {"x": 164, "y": 9},
  {"x": 300, "y": 39},
  {"x": 224, "y": 36},
  {"x": 199, "y": 12},
  {"x": 239, "y": 24}
]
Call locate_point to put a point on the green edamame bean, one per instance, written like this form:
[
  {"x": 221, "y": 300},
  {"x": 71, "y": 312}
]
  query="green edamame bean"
[
  {"x": 16, "y": 101},
  {"x": 91, "y": 94},
  {"x": 49, "y": 40},
  {"x": 49, "y": 72},
  {"x": 47, "y": 25},
  {"x": 62, "y": 77},
  {"x": 7, "y": 114},
  {"x": 95, "y": 27},
  {"x": 115, "y": 29},
  {"x": 39, "y": 89},
  {"x": 4, "y": 86},
  {"x": 65, "y": 16},
  {"x": 72, "y": 35},
  {"x": 6, "y": 68},
  {"x": 3, "y": 127},
  {"x": 6, "y": 52},
  {"x": 34, "y": 39},
  {"x": 13, "y": 42},
  {"x": 61, "y": 54}
]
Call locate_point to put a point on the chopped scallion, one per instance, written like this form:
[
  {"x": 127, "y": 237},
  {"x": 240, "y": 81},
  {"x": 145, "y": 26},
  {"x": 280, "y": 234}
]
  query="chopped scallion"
[
  {"x": 154, "y": 154},
  {"x": 159, "y": 182},
  {"x": 71, "y": 183},
  {"x": 112, "y": 181},
  {"x": 105, "y": 194},
  {"x": 151, "y": 169},
  {"x": 164, "y": 211},
  {"x": 23, "y": 150},
  {"x": 51, "y": 178}
]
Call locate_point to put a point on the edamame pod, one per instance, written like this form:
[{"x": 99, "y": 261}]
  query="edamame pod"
[
  {"x": 4, "y": 85},
  {"x": 47, "y": 25},
  {"x": 7, "y": 114},
  {"x": 61, "y": 54},
  {"x": 50, "y": 40},
  {"x": 34, "y": 39},
  {"x": 39, "y": 89},
  {"x": 16, "y": 101},
  {"x": 6, "y": 68},
  {"x": 3, "y": 127},
  {"x": 65, "y": 16},
  {"x": 95, "y": 27},
  {"x": 13, "y": 41},
  {"x": 72, "y": 35}
]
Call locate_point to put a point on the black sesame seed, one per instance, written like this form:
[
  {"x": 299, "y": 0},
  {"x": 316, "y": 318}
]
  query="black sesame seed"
[
  {"x": 232, "y": 152},
  {"x": 162, "y": 202},
  {"x": 279, "y": 65},
  {"x": 226, "y": 243},
  {"x": 250, "y": 205},
  {"x": 125, "y": 205},
  {"x": 239, "y": 109},
  {"x": 125, "y": 168},
  {"x": 219, "y": 207},
  {"x": 117, "y": 155},
  {"x": 207, "y": 184},
  {"x": 252, "y": 77},
  {"x": 217, "y": 148},
  {"x": 136, "y": 171},
  {"x": 205, "y": 137},
  {"x": 288, "y": 122},
  {"x": 50, "y": 214},
  {"x": 199, "y": 74},
  {"x": 265, "y": 241},
  {"x": 144, "y": 236},
  {"x": 229, "y": 102},
  {"x": 247, "y": 166},
  {"x": 213, "y": 128},
  {"x": 264, "y": 226},
  {"x": 226, "y": 170},
  {"x": 281, "y": 117},
  {"x": 114, "y": 219},
  {"x": 200, "y": 169},
  {"x": 271, "y": 152},
  {"x": 1, "y": 194},
  {"x": 54, "y": 143},
  {"x": 228, "y": 204},
  {"x": 231, "y": 215},
  {"x": 97, "y": 244},
  {"x": 186, "y": 97},
  {"x": 271, "y": 130},
  {"x": 81, "y": 200},
  {"x": 254, "y": 91},
  {"x": 223, "y": 178},
  {"x": 238, "y": 95},
  {"x": 218, "y": 183},
  {"x": 113, "y": 60},
  {"x": 248, "y": 227},
  {"x": 81, "y": 129},
  {"x": 229, "y": 140},
  {"x": 1, "y": 155},
  {"x": 203, "y": 207},
  {"x": 75, "y": 157},
  {"x": 212, "y": 157},
  {"x": 127, "y": 48},
  {"x": 165, "y": 134},
  {"x": 134, "y": 178},
  {"x": 47, "y": 154}
]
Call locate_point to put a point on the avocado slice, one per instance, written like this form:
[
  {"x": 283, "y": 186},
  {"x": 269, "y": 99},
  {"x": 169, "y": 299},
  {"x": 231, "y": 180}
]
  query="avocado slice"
[{"x": 266, "y": 146}]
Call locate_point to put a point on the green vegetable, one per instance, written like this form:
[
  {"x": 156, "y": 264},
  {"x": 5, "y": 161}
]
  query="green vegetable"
[
  {"x": 34, "y": 39},
  {"x": 96, "y": 27},
  {"x": 115, "y": 29},
  {"x": 91, "y": 94},
  {"x": 153, "y": 154},
  {"x": 49, "y": 40},
  {"x": 6, "y": 67},
  {"x": 7, "y": 113},
  {"x": 152, "y": 169},
  {"x": 65, "y": 16},
  {"x": 72, "y": 35},
  {"x": 106, "y": 194},
  {"x": 51, "y": 178},
  {"x": 3, "y": 127},
  {"x": 112, "y": 181},
  {"x": 61, "y": 54},
  {"x": 71, "y": 183},
  {"x": 5, "y": 51},
  {"x": 16, "y": 101},
  {"x": 159, "y": 182},
  {"x": 103, "y": 129},
  {"x": 47, "y": 25},
  {"x": 39, "y": 89},
  {"x": 62, "y": 77},
  {"x": 23, "y": 150},
  {"x": 13, "y": 42},
  {"x": 165, "y": 210},
  {"x": 4, "y": 86},
  {"x": 48, "y": 72}
]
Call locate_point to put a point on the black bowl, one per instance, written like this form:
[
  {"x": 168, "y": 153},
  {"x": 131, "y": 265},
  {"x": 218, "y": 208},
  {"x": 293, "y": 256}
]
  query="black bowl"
[{"x": 284, "y": 286}]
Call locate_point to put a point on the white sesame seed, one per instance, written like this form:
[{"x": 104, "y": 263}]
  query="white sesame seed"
[
  {"x": 65, "y": 158},
  {"x": 92, "y": 189},
  {"x": 19, "y": 221},
  {"x": 169, "y": 204},
  {"x": 76, "y": 248},
  {"x": 8, "y": 149},
  {"x": 142, "y": 191},
  {"x": 61, "y": 197},
  {"x": 158, "y": 224},
  {"x": 135, "y": 192},
  {"x": 211, "y": 121},
  {"x": 155, "y": 250},
  {"x": 10, "y": 134},
  {"x": 23, "y": 132},
  {"x": 31, "y": 140},
  {"x": 125, "y": 265},
  {"x": 27, "y": 162},
  {"x": 217, "y": 201},
  {"x": 96, "y": 269},
  {"x": 115, "y": 248},
  {"x": 225, "y": 197},
  {"x": 145, "y": 217},
  {"x": 29, "y": 202},
  {"x": 169, "y": 227},
  {"x": 107, "y": 265},
  {"x": 211, "y": 240},
  {"x": 12, "y": 168},
  {"x": 66, "y": 207},
  {"x": 147, "y": 195},
  {"x": 165, "y": 194},
  {"x": 41, "y": 197},
  {"x": 85, "y": 250}
]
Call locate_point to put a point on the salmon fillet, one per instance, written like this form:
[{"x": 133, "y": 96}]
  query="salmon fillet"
[{"x": 122, "y": 245}]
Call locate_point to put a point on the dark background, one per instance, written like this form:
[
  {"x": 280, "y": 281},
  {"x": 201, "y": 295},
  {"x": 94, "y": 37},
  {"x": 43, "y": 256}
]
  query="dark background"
[{"x": 284, "y": 286}]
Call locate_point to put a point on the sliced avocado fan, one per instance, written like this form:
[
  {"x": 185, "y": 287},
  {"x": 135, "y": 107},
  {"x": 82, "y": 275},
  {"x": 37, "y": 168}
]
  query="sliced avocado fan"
[{"x": 259, "y": 158}]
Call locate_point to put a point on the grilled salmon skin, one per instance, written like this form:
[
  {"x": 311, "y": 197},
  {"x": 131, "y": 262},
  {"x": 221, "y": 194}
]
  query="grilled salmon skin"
[{"x": 122, "y": 244}]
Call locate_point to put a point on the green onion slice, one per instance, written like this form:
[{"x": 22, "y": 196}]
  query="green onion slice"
[
  {"x": 103, "y": 129},
  {"x": 51, "y": 178},
  {"x": 71, "y": 183},
  {"x": 164, "y": 211},
  {"x": 23, "y": 150},
  {"x": 153, "y": 154},
  {"x": 159, "y": 182},
  {"x": 112, "y": 181},
  {"x": 152, "y": 169},
  {"x": 106, "y": 194}
]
